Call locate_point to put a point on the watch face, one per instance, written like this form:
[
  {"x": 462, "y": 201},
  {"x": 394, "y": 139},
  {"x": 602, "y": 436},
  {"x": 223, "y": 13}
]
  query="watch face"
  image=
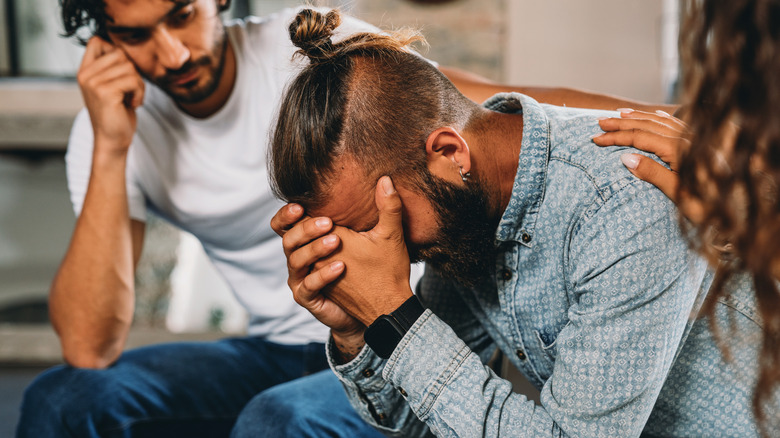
[{"x": 383, "y": 335}]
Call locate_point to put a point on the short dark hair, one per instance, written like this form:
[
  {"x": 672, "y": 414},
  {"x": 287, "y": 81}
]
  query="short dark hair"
[
  {"x": 367, "y": 97},
  {"x": 91, "y": 14}
]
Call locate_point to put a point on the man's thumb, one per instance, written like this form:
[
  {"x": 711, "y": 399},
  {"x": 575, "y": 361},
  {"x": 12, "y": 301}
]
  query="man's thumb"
[{"x": 389, "y": 205}]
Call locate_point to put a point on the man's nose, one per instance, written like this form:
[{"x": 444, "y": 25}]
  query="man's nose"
[{"x": 171, "y": 52}]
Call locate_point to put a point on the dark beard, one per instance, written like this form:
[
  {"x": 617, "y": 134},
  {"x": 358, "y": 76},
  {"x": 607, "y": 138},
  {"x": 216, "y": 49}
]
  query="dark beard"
[
  {"x": 196, "y": 94},
  {"x": 464, "y": 248}
]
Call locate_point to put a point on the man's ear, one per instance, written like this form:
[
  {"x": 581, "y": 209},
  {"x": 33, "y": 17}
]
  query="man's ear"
[{"x": 448, "y": 154}]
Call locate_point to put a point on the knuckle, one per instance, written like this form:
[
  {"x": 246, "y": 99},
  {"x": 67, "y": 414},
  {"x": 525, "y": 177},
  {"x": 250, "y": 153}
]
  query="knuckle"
[
  {"x": 294, "y": 263},
  {"x": 310, "y": 227},
  {"x": 319, "y": 248},
  {"x": 275, "y": 223},
  {"x": 287, "y": 242},
  {"x": 308, "y": 284}
]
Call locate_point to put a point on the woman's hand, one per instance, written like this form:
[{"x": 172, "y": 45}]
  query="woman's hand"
[{"x": 658, "y": 133}]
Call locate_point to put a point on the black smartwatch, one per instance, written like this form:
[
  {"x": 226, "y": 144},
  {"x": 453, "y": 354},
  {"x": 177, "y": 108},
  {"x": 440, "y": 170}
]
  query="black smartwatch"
[{"x": 384, "y": 334}]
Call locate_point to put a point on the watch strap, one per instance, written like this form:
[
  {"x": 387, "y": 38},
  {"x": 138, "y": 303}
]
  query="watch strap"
[
  {"x": 384, "y": 334},
  {"x": 408, "y": 313}
]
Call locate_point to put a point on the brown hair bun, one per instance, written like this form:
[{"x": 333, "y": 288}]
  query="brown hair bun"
[{"x": 311, "y": 32}]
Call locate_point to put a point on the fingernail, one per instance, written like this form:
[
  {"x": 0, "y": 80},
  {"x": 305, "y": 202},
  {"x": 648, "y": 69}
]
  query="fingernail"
[
  {"x": 625, "y": 110},
  {"x": 663, "y": 113},
  {"x": 336, "y": 266},
  {"x": 329, "y": 240},
  {"x": 295, "y": 209},
  {"x": 322, "y": 222},
  {"x": 630, "y": 160},
  {"x": 387, "y": 185}
]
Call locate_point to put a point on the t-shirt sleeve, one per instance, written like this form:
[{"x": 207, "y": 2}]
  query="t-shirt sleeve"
[{"x": 78, "y": 160}]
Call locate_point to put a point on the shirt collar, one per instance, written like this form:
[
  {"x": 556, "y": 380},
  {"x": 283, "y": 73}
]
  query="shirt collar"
[{"x": 519, "y": 219}]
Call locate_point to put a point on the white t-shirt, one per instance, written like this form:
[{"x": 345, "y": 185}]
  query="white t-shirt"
[{"x": 209, "y": 176}]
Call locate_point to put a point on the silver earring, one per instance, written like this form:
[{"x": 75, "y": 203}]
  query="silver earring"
[{"x": 465, "y": 177}]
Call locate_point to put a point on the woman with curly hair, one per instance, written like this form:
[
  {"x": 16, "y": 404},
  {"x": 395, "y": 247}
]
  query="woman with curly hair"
[{"x": 724, "y": 161}]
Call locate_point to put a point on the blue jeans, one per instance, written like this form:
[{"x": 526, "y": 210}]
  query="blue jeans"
[{"x": 193, "y": 390}]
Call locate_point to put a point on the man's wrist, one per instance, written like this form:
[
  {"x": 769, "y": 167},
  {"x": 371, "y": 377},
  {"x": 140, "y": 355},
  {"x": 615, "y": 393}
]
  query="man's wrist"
[
  {"x": 386, "y": 332},
  {"x": 347, "y": 346},
  {"x": 109, "y": 153}
]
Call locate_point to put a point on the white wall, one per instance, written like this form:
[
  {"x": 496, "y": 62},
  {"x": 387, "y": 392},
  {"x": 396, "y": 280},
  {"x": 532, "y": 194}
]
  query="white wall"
[{"x": 613, "y": 46}]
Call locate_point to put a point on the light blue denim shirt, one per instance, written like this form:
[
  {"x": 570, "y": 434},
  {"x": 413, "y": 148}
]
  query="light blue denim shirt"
[{"x": 591, "y": 300}]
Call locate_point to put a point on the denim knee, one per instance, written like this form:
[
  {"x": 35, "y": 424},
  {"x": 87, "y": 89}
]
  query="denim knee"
[
  {"x": 64, "y": 401},
  {"x": 312, "y": 406},
  {"x": 273, "y": 412}
]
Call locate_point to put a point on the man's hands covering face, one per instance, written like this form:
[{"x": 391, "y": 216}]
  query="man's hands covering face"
[{"x": 344, "y": 278}]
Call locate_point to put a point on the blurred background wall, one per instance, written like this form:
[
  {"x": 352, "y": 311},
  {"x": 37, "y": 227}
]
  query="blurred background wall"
[{"x": 623, "y": 47}]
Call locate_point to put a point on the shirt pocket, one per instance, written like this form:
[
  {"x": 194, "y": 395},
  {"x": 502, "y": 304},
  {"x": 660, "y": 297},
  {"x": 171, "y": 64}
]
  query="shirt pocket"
[{"x": 548, "y": 343}]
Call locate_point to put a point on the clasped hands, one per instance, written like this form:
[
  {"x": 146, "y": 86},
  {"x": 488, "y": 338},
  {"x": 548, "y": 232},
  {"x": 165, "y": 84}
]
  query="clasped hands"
[{"x": 347, "y": 279}]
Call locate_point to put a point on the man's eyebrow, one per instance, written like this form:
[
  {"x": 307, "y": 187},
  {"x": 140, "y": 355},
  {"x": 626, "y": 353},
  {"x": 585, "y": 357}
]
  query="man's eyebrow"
[{"x": 177, "y": 6}]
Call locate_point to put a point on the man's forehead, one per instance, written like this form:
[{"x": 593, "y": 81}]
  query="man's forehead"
[
  {"x": 350, "y": 198},
  {"x": 140, "y": 13}
]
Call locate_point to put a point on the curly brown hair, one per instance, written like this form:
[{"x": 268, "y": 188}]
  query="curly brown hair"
[
  {"x": 91, "y": 15},
  {"x": 731, "y": 80}
]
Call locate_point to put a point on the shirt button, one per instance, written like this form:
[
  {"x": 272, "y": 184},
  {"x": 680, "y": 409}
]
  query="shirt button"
[
  {"x": 403, "y": 393},
  {"x": 526, "y": 237},
  {"x": 368, "y": 372},
  {"x": 520, "y": 354},
  {"x": 506, "y": 274}
]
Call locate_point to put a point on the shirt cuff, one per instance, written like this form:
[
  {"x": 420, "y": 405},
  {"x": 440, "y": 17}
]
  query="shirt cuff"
[
  {"x": 366, "y": 390},
  {"x": 424, "y": 361}
]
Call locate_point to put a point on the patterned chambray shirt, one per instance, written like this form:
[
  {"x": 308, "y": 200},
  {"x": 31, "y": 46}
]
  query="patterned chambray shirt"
[{"x": 591, "y": 300}]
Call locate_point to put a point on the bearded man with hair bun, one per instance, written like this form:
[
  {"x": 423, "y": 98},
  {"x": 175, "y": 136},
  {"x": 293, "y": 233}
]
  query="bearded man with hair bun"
[{"x": 536, "y": 241}]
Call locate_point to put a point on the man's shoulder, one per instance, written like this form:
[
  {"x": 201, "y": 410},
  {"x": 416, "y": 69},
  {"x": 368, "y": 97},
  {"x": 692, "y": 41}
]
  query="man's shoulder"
[{"x": 571, "y": 132}]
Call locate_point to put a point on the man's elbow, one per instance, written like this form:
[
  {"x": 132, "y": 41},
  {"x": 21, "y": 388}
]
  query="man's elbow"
[
  {"x": 82, "y": 357},
  {"x": 83, "y": 351}
]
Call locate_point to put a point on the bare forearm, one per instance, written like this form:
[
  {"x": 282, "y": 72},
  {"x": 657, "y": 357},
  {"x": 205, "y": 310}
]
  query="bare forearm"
[
  {"x": 586, "y": 99},
  {"x": 480, "y": 89},
  {"x": 92, "y": 296}
]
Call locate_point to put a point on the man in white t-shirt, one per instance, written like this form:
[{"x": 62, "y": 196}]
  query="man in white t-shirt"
[{"x": 178, "y": 108}]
